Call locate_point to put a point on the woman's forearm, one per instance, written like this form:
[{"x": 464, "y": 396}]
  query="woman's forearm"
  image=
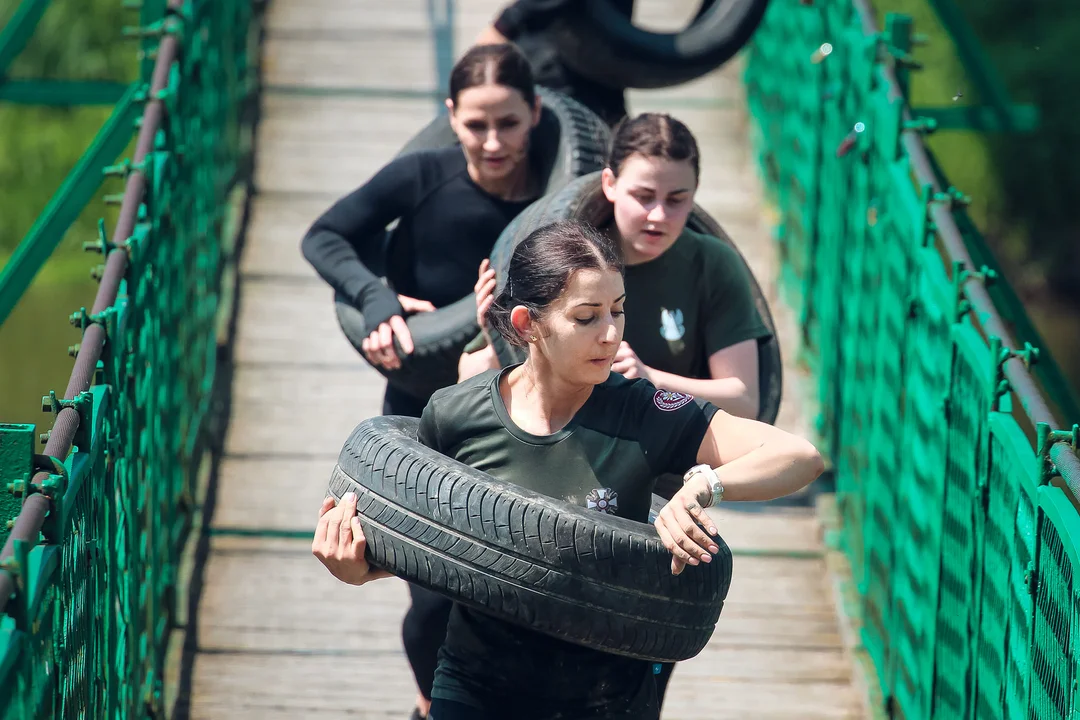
[
  {"x": 729, "y": 394},
  {"x": 777, "y": 468}
]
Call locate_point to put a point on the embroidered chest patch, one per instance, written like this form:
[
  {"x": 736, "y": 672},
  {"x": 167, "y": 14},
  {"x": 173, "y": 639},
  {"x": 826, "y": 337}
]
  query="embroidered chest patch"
[
  {"x": 668, "y": 400},
  {"x": 605, "y": 500}
]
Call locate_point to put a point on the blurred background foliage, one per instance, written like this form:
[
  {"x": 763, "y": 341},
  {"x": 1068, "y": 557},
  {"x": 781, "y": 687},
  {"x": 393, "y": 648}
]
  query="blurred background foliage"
[
  {"x": 75, "y": 39},
  {"x": 1024, "y": 188}
]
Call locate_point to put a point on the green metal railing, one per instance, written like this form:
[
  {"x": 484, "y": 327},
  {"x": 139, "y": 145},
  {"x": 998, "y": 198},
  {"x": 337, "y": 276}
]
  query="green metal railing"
[
  {"x": 89, "y": 571},
  {"x": 957, "y": 496}
]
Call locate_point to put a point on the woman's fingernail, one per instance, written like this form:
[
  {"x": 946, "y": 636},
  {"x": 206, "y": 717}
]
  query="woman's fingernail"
[
  {"x": 706, "y": 558},
  {"x": 712, "y": 531},
  {"x": 713, "y": 549},
  {"x": 349, "y": 497},
  {"x": 693, "y": 561}
]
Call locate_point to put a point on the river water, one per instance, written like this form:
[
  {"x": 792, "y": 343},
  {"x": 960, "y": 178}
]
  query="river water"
[{"x": 34, "y": 341}]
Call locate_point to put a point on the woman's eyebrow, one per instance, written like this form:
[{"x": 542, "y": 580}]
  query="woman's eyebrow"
[{"x": 591, "y": 304}]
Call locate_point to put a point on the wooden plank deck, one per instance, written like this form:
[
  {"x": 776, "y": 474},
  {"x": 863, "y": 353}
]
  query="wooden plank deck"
[{"x": 349, "y": 81}]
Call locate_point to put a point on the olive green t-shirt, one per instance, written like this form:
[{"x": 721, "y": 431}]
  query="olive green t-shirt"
[
  {"x": 606, "y": 459},
  {"x": 692, "y": 301}
]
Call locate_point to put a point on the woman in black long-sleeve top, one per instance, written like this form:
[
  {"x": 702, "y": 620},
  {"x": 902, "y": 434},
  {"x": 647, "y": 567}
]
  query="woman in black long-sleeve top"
[{"x": 450, "y": 204}]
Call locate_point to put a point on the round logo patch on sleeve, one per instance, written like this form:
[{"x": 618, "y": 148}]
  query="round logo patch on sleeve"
[{"x": 668, "y": 400}]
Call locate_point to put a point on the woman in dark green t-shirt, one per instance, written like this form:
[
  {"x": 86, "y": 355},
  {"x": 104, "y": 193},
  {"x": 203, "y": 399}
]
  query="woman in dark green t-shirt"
[
  {"x": 562, "y": 423},
  {"x": 691, "y": 322}
]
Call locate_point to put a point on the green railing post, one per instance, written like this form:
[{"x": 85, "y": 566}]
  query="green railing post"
[
  {"x": 16, "y": 460},
  {"x": 968, "y": 570},
  {"x": 89, "y": 586}
]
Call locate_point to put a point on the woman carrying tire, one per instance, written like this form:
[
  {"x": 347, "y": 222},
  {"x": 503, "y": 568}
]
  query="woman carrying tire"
[
  {"x": 451, "y": 204},
  {"x": 563, "y": 424},
  {"x": 692, "y": 325}
]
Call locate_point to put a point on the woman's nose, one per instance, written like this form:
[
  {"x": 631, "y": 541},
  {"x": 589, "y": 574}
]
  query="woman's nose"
[
  {"x": 611, "y": 333},
  {"x": 657, "y": 213},
  {"x": 492, "y": 142}
]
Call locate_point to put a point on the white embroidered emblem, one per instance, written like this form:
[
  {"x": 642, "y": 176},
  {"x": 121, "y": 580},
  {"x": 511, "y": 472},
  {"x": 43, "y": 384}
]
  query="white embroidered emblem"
[
  {"x": 671, "y": 324},
  {"x": 605, "y": 500},
  {"x": 668, "y": 400},
  {"x": 672, "y": 329}
]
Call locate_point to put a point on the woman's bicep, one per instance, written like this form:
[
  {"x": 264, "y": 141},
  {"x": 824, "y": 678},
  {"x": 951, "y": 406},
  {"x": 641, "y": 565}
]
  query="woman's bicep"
[
  {"x": 729, "y": 437},
  {"x": 736, "y": 361}
]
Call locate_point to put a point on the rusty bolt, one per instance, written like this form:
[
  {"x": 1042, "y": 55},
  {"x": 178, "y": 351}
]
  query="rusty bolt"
[{"x": 849, "y": 142}]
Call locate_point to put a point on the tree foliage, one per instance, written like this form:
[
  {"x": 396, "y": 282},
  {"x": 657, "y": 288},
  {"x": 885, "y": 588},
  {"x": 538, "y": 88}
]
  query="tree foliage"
[{"x": 38, "y": 145}]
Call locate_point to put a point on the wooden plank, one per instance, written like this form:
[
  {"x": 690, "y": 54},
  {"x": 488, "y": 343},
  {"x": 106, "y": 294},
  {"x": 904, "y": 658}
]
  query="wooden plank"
[
  {"x": 297, "y": 411},
  {"x": 291, "y": 322},
  {"x": 272, "y": 245},
  {"x": 759, "y": 700},
  {"x": 239, "y": 686},
  {"x": 373, "y": 61},
  {"x": 311, "y": 612},
  {"x": 333, "y": 119},
  {"x": 332, "y": 145},
  {"x": 357, "y": 15},
  {"x": 796, "y": 529},
  {"x": 271, "y": 493}
]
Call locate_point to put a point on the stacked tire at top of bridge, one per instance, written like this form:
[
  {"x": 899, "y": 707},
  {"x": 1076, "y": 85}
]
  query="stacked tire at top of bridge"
[
  {"x": 599, "y": 43},
  {"x": 573, "y": 142}
]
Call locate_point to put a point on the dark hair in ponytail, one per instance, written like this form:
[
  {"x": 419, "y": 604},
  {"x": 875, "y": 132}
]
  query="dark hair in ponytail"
[
  {"x": 540, "y": 269},
  {"x": 501, "y": 64},
  {"x": 653, "y": 135}
]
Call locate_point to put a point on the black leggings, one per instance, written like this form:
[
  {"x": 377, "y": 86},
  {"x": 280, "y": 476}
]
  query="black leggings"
[{"x": 424, "y": 627}]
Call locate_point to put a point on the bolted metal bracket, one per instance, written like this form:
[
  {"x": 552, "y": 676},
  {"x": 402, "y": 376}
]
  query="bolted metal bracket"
[
  {"x": 960, "y": 277},
  {"x": 1046, "y": 438},
  {"x": 1001, "y": 355},
  {"x": 102, "y": 245},
  {"x": 52, "y": 404},
  {"x": 82, "y": 319}
]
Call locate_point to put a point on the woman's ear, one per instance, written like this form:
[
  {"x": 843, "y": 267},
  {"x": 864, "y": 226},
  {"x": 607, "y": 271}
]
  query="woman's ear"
[
  {"x": 450, "y": 113},
  {"x": 523, "y": 323},
  {"x": 607, "y": 182},
  {"x": 538, "y": 109}
]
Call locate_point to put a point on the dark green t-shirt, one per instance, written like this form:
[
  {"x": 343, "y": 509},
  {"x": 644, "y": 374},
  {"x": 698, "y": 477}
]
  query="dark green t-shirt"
[
  {"x": 606, "y": 459},
  {"x": 692, "y": 301}
]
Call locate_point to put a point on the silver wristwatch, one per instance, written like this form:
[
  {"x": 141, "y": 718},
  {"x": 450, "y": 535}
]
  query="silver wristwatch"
[{"x": 714, "y": 481}]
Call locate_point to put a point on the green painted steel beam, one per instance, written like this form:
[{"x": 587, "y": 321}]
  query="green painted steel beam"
[
  {"x": 62, "y": 93},
  {"x": 64, "y": 207},
  {"x": 977, "y": 65},
  {"x": 19, "y": 30},
  {"x": 983, "y": 118}
]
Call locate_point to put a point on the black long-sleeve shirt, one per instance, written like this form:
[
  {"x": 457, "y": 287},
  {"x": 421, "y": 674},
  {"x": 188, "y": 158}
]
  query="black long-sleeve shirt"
[{"x": 448, "y": 224}]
